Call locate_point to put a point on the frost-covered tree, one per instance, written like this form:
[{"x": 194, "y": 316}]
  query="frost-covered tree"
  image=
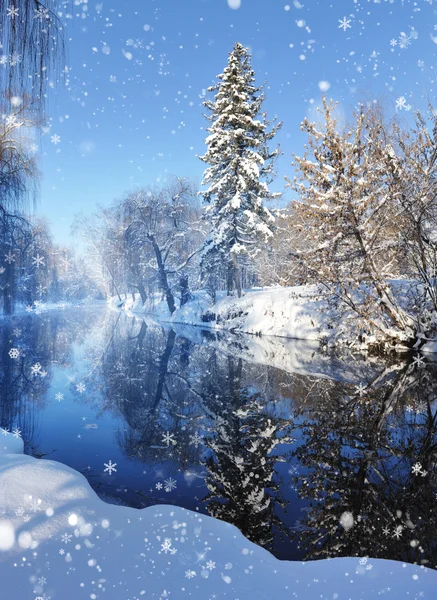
[
  {"x": 32, "y": 46},
  {"x": 240, "y": 168},
  {"x": 416, "y": 171},
  {"x": 350, "y": 216}
]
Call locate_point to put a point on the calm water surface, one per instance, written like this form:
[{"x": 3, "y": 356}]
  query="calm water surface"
[{"x": 309, "y": 455}]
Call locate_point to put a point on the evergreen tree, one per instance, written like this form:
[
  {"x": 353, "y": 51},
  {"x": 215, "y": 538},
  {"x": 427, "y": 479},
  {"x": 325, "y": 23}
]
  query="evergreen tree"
[{"x": 241, "y": 167}]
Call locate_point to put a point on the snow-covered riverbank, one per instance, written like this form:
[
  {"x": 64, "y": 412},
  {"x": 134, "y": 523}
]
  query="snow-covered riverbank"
[
  {"x": 59, "y": 540},
  {"x": 299, "y": 312}
]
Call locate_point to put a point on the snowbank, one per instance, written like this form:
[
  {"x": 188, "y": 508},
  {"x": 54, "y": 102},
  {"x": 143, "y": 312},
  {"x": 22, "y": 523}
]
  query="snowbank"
[
  {"x": 59, "y": 540},
  {"x": 300, "y": 312}
]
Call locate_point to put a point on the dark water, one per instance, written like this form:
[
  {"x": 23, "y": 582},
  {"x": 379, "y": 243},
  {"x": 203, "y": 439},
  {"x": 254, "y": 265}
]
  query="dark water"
[{"x": 326, "y": 456}]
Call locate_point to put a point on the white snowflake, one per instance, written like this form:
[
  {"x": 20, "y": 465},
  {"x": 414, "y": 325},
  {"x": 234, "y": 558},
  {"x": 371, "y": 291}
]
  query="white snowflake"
[
  {"x": 195, "y": 439},
  {"x": 361, "y": 389},
  {"x": 397, "y": 532},
  {"x": 190, "y": 574},
  {"x": 418, "y": 361},
  {"x": 168, "y": 438},
  {"x": 14, "y": 59},
  {"x": 166, "y": 545},
  {"x": 36, "y": 368},
  {"x": 110, "y": 466},
  {"x": 12, "y": 12},
  {"x": 41, "y": 13},
  {"x": 81, "y": 387},
  {"x": 38, "y": 261},
  {"x": 55, "y": 139},
  {"x": 404, "y": 40},
  {"x": 416, "y": 469},
  {"x": 16, "y": 432},
  {"x": 169, "y": 484},
  {"x": 344, "y": 23},
  {"x": 401, "y": 102},
  {"x": 10, "y": 257},
  {"x": 14, "y": 353},
  {"x": 59, "y": 396},
  {"x": 393, "y": 42},
  {"x": 66, "y": 538},
  {"x": 210, "y": 565}
]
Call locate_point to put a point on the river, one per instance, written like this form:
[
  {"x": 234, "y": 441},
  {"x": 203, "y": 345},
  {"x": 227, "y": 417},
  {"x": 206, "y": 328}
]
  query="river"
[{"x": 310, "y": 454}]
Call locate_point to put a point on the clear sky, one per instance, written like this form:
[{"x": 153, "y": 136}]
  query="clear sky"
[{"x": 130, "y": 109}]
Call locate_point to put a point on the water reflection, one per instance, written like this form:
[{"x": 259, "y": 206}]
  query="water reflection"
[
  {"x": 369, "y": 468},
  {"x": 304, "y": 464}
]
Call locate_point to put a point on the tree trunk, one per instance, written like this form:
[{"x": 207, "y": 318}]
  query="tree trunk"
[
  {"x": 142, "y": 293},
  {"x": 236, "y": 276},
  {"x": 185, "y": 290},
  {"x": 163, "y": 277}
]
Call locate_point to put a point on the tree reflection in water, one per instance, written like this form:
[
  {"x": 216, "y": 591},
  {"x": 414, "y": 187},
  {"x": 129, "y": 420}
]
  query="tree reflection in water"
[
  {"x": 227, "y": 430},
  {"x": 369, "y": 468}
]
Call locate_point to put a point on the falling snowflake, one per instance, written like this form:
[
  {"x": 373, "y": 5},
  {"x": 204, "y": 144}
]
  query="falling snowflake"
[
  {"x": 66, "y": 538},
  {"x": 16, "y": 432},
  {"x": 38, "y": 261},
  {"x": 81, "y": 387},
  {"x": 195, "y": 439},
  {"x": 169, "y": 438},
  {"x": 401, "y": 103},
  {"x": 169, "y": 484},
  {"x": 14, "y": 59},
  {"x": 210, "y": 565},
  {"x": 404, "y": 40},
  {"x": 110, "y": 466},
  {"x": 190, "y": 574},
  {"x": 393, "y": 42},
  {"x": 55, "y": 139},
  {"x": 344, "y": 23},
  {"x": 10, "y": 257},
  {"x": 416, "y": 469},
  {"x": 41, "y": 13},
  {"x": 418, "y": 361},
  {"x": 361, "y": 389},
  {"x": 14, "y": 353},
  {"x": 166, "y": 545},
  {"x": 158, "y": 486},
  {"x": 59, "y": 396},
  {"x": 36, "y": 368},
  {"x": 397, "y": 532},
  {"x": 12, "y": 12}
]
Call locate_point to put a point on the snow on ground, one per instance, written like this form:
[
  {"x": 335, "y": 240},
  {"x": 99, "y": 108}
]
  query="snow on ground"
[
  {"x": 300, "y": 312},
  {"x": 58, "y": 540}
]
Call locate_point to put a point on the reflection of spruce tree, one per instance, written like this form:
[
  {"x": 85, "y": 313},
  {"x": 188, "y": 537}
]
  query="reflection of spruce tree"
[
  {"x": 240, "y": 466},
  {"x": 358, "y": 456}
]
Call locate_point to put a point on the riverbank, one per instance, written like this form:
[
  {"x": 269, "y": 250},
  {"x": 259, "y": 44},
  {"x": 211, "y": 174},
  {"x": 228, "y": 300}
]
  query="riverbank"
[
  {"x": 58, "y": 539},
  {"x": 301, "y": 313}
]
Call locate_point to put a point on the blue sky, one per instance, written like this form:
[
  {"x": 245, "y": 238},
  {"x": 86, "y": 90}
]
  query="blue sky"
[{"x": 129, "y": 110}]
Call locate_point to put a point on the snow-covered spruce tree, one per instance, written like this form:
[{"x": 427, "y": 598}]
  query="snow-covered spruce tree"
[
  {"x": 350, "y": 213},
  {"x": 241, "y": 167}
]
